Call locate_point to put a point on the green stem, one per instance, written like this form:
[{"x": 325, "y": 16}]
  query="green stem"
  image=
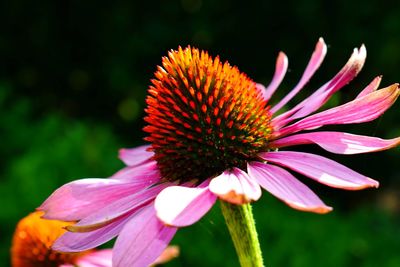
[{"x": 240, "y": 222}]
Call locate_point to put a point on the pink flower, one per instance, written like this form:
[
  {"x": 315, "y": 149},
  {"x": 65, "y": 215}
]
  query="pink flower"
[{"x": 213, "y": 135}]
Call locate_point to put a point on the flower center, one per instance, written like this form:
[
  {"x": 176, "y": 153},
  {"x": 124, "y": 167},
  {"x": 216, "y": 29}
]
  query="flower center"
[
  {"x": 204, "y": 117},
  {"x": 32, "y": 243}
]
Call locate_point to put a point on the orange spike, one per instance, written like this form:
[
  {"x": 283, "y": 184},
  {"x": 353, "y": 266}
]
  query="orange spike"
[{"x": 200, "y": 105}]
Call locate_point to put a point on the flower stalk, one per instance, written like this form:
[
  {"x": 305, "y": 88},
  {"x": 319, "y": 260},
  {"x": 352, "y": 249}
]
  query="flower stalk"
[{"x": 242, "y": 228}]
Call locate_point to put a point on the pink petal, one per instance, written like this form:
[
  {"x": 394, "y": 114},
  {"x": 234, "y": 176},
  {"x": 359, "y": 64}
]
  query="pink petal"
[
  {"x": 313, "y": 65},
  {"x": 345, "y": 75},
  {"x": 78, "y": 199},
  {"x": 371, "y": 87},
  {"x": 99, "y": 258},
  {"x": 76, "y": 242},
  {"x": 147, "y": 173},
  {"x": 323, "y": 94},
  {"x": 338, "y": 142},
  {"x": 168, "y": 254},
  {"x": 142, "y": 240},
  {"x": 182, "y": 206},
  {"x": 135, "y": 156},
  {"x": 321, "y": 169},
  {"x": 235, "y": 186},
  {"x": 103, "y": 258},
  {"x": 280, "y": 71},
  {"x": 101, "y": 217},
  {"x": 364, "y": 109},
  {"x": 286, "y": 187}
]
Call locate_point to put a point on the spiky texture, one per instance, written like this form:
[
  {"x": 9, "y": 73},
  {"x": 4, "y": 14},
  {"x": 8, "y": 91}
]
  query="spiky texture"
[
  {"x": 32, "y": 241},
  {"x": 204, "y": 116}
]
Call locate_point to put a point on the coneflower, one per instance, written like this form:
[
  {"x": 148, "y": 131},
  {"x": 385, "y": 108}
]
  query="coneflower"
[{"x": 214, "y": 135}]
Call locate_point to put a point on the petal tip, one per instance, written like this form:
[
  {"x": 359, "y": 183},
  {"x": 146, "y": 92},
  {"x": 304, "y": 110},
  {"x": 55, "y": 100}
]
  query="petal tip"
[
  {"x": 235, "y": 198},
  {"x": 323, "y": 210},
  {"x": 362, "y": 52},
  {"x": 370, "y": 184},
  {"x": 321, "y": 46},
  {"x": 73, "y": 229},
  {"x": 321, "y": 41},
  {"x": 374, "y": 183},
  {"x": 282, "y": 57},
  {"x": 316, "y": 209}
]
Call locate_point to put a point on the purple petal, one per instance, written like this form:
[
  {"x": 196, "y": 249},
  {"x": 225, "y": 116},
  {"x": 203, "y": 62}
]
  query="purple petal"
[
  {"x": 76, "y": 242},
  {"x": 364, "y": 109},
  {"x": 338, "y": 142},
  {"x": 286, "y": 187},
  {"x": 321, "y": 169},
  {"x": 135, "y": 156},
  {"x": 101, "y": 217},
  {"x": 323, "y": 94},
  {"x": 146, "y": 173},
  {"x": 142, "y": 240},
  {"x": 313, "y": 65},
  {"x": 371, "y": 87},
  {"x": 235, "y": 186},
  {"x": 280, "y": 71},
  {"x": 182, "y": 206},
  {"x": 100, "y": 258},
  {"x": 78, "y": 199}
]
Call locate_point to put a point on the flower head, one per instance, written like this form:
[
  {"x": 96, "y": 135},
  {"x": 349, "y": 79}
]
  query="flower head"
[
  {"x": 32, "y": 241},
  {"x": 213, "y": 134},
  {"x": 204, "y": 117}
]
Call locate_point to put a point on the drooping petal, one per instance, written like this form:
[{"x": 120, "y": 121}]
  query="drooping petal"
[
  {"x": 338, "y": 142},
  {"x": 363, "y": 109},
  {"x": 321, "y": 169},
  {"x": 142, "y": 240},
  {"x": 99, "y": 258},
  {"x": 371, "y": 87},
  {"x": 182, "y": 206},
  {"x": 78, "y": 199},
  {"x": 114, "y": 210},
  {"x": 227, "y": 186},
  {"x": 316, "y": 59},
  {"x": 251, "y": 188},
  {"x": 75, "y": 242},
  {"x": 323, "y": 94},
  {"x": 147, "y": 173},
  {"x": 135, "y": 156},
  {"x": 286, "y": 187},
  {"x": 235, "y": 186},
  {"x": 280, "y": 71}
]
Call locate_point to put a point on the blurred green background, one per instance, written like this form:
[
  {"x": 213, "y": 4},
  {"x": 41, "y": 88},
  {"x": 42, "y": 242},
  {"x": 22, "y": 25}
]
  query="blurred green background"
[{"x": 74, "y": 75}]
